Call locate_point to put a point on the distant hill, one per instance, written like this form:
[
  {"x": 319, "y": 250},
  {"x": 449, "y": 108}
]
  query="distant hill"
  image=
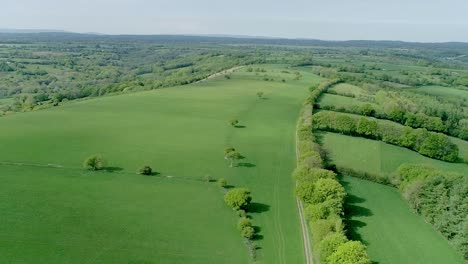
[{"x": 28, "y": 31}]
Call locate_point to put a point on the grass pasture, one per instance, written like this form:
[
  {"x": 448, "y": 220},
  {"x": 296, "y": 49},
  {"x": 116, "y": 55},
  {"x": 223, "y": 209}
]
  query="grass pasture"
[
  {"x": 181, "y": 132},
  {"x": 376, "y": 157},
  {"x": 346, "y": 88},
  {"x": 71, "y": 216},
  {"x": 446, "y": 92},
  {"x": 380, "y": 218},
  {"x": 337, "y": 101}
]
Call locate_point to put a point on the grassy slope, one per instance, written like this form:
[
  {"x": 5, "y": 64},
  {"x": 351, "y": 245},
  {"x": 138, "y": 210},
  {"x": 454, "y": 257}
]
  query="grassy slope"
[
  {"x": 182, "y": 133},
  {"x": 72, "y": 216},
  {"x": 443, "y": 91},
  {"x": 342, "y": 101},
  {"x": 393, "y": 233},
  {"x": 347, "y": 89},
  {"x": 376, "y": 156}
]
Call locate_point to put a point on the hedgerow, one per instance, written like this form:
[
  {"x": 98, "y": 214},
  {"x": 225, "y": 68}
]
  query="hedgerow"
[
  {"x": 431, "y": 144},
  {"x": 320, "y": 191}
]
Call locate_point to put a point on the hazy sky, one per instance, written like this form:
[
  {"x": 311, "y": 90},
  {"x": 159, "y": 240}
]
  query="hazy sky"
[{"x": 411, "y": 20}]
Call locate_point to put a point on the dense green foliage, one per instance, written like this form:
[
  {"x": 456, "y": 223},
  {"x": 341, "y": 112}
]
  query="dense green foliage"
[
  {"x": 441, "y": 198},
  {"x": 351, "y": 252},
  {"x": 431, "y": 144},
  {"x": 238, "y": 198},
  {"x": 319, "y": 189},
  {"x": 95, "y": 162}
]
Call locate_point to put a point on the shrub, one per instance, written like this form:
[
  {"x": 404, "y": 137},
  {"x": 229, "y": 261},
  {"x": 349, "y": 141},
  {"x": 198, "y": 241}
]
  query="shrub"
[
  {"x": 145, "y": 170},
  {"x": 243, "y": 223},
  {"x": 222, "y": 183},
  {"x": 248, "y": 232},
  {"x": 351, "y": 252},
  {"x": 95, "y": 162}
]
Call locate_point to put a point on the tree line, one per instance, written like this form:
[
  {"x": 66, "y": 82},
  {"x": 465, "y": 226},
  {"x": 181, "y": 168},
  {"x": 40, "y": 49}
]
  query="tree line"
[
  {"x": 416, "y": 111},
  {"x": 431, "y": 144},
  {"x": 440, "y": 197},
  {"x": 322, "y": 194}
]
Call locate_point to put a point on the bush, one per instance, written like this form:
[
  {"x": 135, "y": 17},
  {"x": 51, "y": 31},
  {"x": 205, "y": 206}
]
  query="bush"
[
  {"x": 222, "y": 183},
  {"x": 238, "y": 198},
  {"x": 351, "y": 252},
  {"x": 145, "y": 170},
  {"x": 243, "y": 223},
  {"x": 95, "y": 162},
  {"x": 248, "y": 232}
]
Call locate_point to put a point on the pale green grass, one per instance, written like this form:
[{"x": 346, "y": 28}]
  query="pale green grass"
[
  {"x": 443, "y": 91},
  {"x": 347, "y": 88},
  {"x": 181, "y": 132},
  {"x": 342, "y": 101}
]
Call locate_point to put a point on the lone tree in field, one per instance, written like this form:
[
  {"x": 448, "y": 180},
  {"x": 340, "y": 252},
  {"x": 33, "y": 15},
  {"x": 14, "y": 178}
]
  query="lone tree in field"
[
  {"x": 145, "y": 170},
  {"x": 222, "y": 183},
  {"x": 238, "y": 198},
  {"x": 95, "y": 162},
  {"x": 260, "y": 94},
  {"x": 232, "y": 155},
  {"x": 234, "y": 122}
]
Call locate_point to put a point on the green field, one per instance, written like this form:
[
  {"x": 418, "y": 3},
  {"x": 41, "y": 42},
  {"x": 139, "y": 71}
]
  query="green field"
[
  {"x": 337, "y": 101},
  {"x": 375, "y": 156},
  {"x": 446, "y": 92},
  {"x": 346, "y": 88},
  {"x": 52, "y": 215},
  {"x": 392, "y": 232},
  {"x": 181, "y": 132}
]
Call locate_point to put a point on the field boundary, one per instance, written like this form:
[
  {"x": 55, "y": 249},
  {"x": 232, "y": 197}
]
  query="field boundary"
[{"x": 304, "y": 227}]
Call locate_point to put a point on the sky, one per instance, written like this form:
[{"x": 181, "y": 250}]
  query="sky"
[{"x": 408, "y": 20}]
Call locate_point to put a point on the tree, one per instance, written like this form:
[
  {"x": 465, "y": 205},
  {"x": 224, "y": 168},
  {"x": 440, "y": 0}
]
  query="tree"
[
  {"x": 305, "y": 191},
  {"x": 145, "y": 170},
  {"x": 248, "y": 232},
  {"x": 234, "y": 122},
  {"x": 330, "y": 243},
  {"x": 260, "y": 94},
  {"x": 327, "y": 189},
  {"x": 95, "y": 162},
  {"x": 222, "y": 183},
  {"x": 232, "y": 156},
  {"x": 351, "y": 252},
  {"x": 243, "y": 223},
  {"x": 238, "y": 198}
]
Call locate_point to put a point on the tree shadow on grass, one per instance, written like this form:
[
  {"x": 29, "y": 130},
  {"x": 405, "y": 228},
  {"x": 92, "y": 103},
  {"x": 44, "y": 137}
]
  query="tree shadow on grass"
[
  {"x": 154, "y": 173},
  {"x": 246, "y": 164},
  {"x": 240, "y": 126},
  {"x": 112, "y": 169},
  {"x": 353, "y": 199},
  {"x": 357, "y": 211},
  {"x": 227, "y": 187},
  {"x": 257, "y": 208},
  {"x": 353, "y": 227}
]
